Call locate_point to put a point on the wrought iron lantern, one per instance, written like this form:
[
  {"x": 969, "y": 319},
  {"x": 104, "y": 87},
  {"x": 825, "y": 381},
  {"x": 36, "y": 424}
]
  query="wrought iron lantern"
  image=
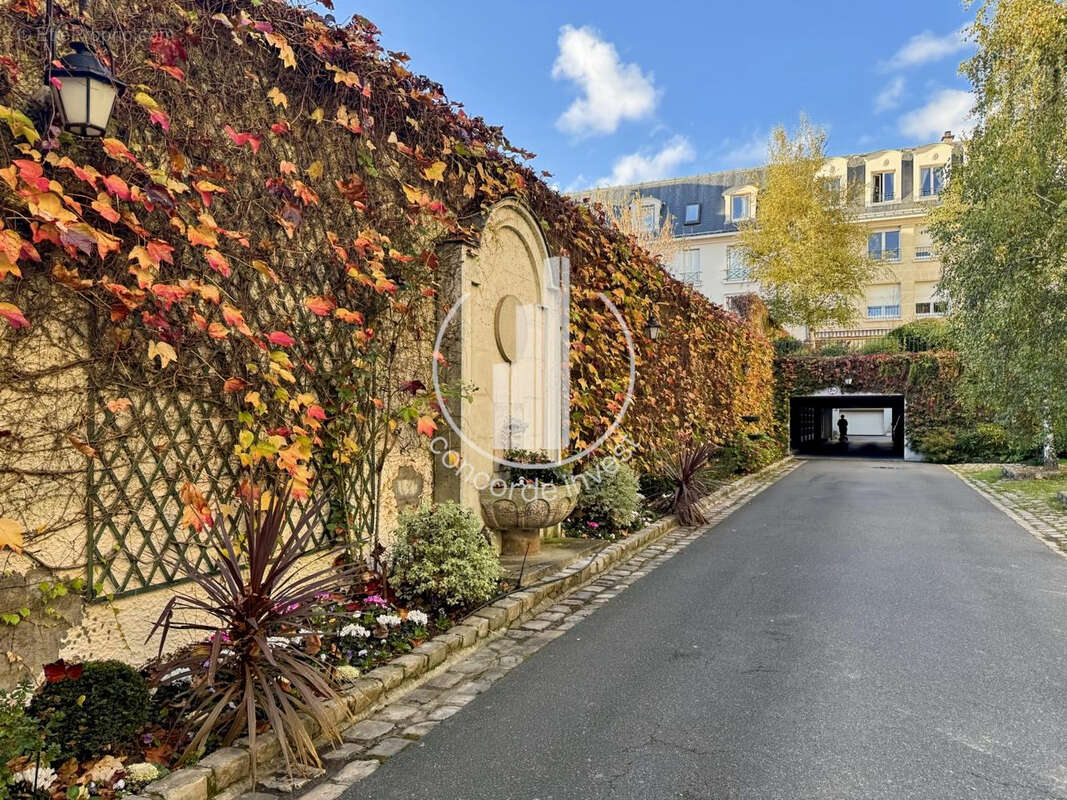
[
  {"x": 83, "y": 88},
  {"x": 652, "y": 328}
]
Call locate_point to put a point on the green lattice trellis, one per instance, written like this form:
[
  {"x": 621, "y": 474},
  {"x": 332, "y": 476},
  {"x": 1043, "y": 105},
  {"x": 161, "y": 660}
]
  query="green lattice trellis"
[{"x": 136, "y": 541}]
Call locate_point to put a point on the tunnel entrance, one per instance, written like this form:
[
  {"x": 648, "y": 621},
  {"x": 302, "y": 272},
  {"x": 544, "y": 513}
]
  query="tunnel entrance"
[{"x": 875, "y": 425}]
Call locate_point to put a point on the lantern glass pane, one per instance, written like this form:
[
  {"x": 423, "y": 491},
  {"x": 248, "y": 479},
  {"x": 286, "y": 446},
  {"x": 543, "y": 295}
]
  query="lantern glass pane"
[{"x": 85, "y": 105}]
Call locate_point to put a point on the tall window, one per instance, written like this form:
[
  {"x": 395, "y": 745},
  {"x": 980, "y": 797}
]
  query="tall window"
[
  {"x": 692, "y": 213},
  {"x": 740, "y": 207},
  {"x": 833, "y": 189},
  {"x": 736, "y": 266},
  {"x": 931, "y": 179},
  {"x": 883, "y": 302},
  {"x": 884, "y": 245},
  {"x": 687, "y": 267},
  {"x": 649, "y": 218},
  {"x": 883, "y": 187}
]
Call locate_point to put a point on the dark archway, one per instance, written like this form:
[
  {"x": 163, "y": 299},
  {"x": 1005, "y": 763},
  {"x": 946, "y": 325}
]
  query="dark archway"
[{"x": 812, "y": 426}]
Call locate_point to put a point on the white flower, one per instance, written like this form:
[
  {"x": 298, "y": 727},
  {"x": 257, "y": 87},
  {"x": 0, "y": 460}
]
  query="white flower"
[
  {"x": 354, "y": 631},
  {"x": 142, "y": 772},
  {"x": 418, "y": 617},
  {"x": 277, "y": 641},
  {"x": 389, "y": 620},
  {"x": 363, "y": 652},
  {"x": 46, "y": 776},
  {"x": 347, "y": 672}
]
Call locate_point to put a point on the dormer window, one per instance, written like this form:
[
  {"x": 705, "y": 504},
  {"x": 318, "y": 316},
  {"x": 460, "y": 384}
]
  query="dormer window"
[
  {"x": 649, "y": 217},
  {"x": 740, "y": 207},
  {"x": 692, "y": 214},
  {"x": 884, "y": 187},
  {"x": 931, "y": 181}
]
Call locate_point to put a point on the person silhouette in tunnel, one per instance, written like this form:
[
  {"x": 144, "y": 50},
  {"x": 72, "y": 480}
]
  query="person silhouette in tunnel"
[{"x": 842, "y": 428}]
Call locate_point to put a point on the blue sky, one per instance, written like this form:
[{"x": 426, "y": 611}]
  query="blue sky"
[{"x": 620, "y": 91}]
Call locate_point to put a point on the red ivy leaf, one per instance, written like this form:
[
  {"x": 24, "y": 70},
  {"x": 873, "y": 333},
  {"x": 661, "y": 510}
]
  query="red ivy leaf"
[{"x": 241, "y": 139}]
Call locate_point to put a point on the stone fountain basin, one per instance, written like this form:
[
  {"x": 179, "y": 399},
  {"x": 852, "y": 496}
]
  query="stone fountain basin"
[{"x": 520, "y": 513}]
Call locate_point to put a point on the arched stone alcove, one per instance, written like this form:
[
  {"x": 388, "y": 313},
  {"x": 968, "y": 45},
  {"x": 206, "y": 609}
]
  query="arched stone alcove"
[{"x": 504, "y": 339}]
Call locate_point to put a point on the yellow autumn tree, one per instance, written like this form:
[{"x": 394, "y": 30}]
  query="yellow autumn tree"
[{"x": 802, "y": 247}]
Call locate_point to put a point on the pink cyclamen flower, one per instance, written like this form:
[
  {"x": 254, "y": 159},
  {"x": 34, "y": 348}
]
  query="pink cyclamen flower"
[
  {"x": 593, "y": 524},
  {"x": 375, "y": 600}
]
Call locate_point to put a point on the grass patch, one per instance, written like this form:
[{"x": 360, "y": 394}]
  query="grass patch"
[{"x": 987, "y": 475}]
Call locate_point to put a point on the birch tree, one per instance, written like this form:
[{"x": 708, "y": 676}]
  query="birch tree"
[{"x": 1002, "y": 230}]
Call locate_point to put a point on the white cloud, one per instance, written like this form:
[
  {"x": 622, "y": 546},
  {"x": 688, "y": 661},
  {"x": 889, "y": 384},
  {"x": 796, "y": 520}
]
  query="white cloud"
[
  {"x": 638, "y": 167},
  {"x": 611, "y": 91},
  {"x": 948, "y": 110},
  {"x": 890, "y": 96},
  {"x": 924, "y": 47},
  {"x": 750, "y": 153}
]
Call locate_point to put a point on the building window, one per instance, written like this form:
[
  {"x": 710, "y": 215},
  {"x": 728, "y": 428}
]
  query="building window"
[
  {"x": 740, "y": 207},
  {"x": 833, "y": 189},
  {"x": 883, "y": 302},
  {"x": 884, "y": 245},
  {"x": 649, "y": 218},
  {"x": 931, "y": 179},
  {"x": 924, "y": 247},
  {"x": 692, "y": 214},
  {"x": 736, "y": 266},
  {"x": 929, "y": 302},
  {"x": 883, "y": 187},
  {"x": 687, "y": 267}
]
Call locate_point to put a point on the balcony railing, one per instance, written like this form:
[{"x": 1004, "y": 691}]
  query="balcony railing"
[{"x": 884, "y": 255}]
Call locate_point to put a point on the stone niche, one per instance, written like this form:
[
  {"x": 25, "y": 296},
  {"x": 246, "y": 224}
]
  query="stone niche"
[{"x": 504, "y": 336}]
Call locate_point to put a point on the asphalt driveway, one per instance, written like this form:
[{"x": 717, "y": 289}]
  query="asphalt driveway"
[{"x": 859, "y": 630}]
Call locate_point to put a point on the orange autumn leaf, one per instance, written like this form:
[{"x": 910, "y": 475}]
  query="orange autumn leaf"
[
  {"x": 84, "y": 448},
  {"x": 320, "y": 306},
  {"x": 426, "y": 426},
  {"x": 235, "y": 385},
  {"x": 14, "y": 316},
  {"x": 11, "y": 535},
  {"x": 119, "y": 405}
]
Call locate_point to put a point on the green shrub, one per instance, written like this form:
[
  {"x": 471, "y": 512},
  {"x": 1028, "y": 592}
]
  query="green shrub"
[
  {"x": 834, "y": 349},
  {"x": 884, "y": 346},
  {"x": 939, "y": 445},
  {"x": 743, "y": 455},
  {"x": 20, "y": 734},
  {"x": 96, "y": 713},
  {"x": 442, "y": 559},
  {"x": 609, "y": 502},
  {"x": 924, "y": 334},
  {"x": 787, "y": 345},
  {"x": 985, "y": 442}
]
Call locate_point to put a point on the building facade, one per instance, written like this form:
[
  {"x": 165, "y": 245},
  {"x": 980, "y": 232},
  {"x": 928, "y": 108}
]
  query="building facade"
[{"x": 893, "y": 191}]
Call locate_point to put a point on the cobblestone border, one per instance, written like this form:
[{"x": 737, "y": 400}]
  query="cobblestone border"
[
  {"x": 1028, "y": 513},
  {"x": 399, "y": 702}
]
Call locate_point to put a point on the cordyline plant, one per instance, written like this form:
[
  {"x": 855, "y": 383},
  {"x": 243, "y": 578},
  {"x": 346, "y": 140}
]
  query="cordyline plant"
[
  {"x": 253, "y": 610},
  {"x": 689, "y": 471}
]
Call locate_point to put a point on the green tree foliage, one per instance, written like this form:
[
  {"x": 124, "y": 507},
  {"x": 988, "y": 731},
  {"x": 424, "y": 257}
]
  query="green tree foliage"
[
  {"x": 1002, "y": 230},
  {"x": 802, "y": 247}
]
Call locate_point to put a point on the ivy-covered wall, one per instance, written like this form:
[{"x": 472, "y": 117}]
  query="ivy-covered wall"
[
  {"x": 938, "y": 423},
  {"x": 233, "y": 281}
]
